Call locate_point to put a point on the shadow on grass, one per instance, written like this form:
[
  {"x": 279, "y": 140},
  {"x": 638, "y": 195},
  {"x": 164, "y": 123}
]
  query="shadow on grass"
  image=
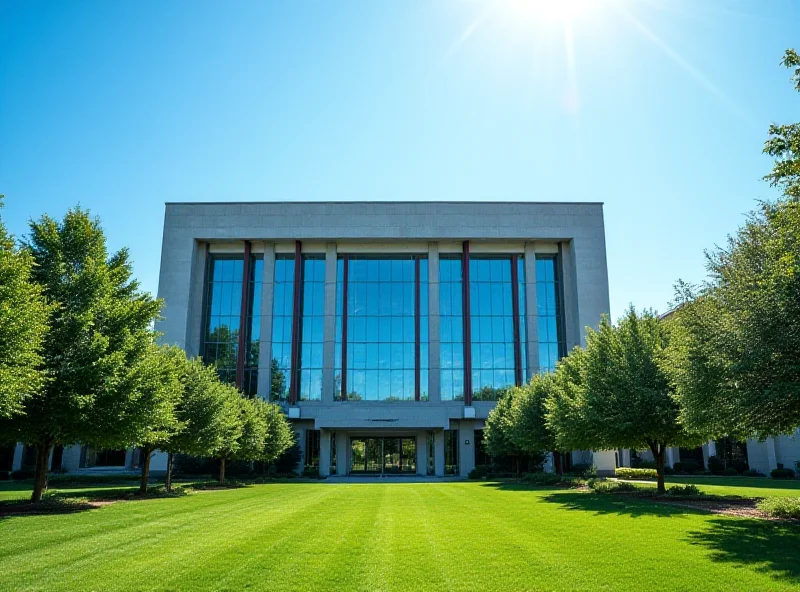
[
  {"x": 79, "y": 498},
  {"x": 769, "y": 547}
]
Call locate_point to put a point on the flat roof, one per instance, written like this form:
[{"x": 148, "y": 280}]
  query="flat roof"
[{"x": 377, "y": 202}]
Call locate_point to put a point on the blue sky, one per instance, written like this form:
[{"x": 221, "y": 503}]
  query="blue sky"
[{"x": 659, "y": 108}]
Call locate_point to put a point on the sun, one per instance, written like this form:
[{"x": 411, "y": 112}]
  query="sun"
[{"x": 550, "y": 10}]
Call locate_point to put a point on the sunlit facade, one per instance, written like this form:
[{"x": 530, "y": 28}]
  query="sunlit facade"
[{"x": 387, "y": 331}]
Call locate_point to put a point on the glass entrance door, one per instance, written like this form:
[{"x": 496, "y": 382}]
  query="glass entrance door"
[{"x": 383, "y": 455}]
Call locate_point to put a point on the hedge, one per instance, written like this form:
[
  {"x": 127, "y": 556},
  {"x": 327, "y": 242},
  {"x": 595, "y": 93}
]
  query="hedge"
[
  {"x": 781, "y": 507},
  {"x": 626, "y": 473}
]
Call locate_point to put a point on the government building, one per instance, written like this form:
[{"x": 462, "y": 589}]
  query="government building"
[{"x": 386, "y": 330}]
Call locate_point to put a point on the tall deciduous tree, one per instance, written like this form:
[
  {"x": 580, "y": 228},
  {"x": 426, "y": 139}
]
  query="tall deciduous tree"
[
  {"x": 100, "y": 328},
  {"x": 230, "y": 428},
  {"x": 616, "y": 393},
  {"x": 784, "y": 142},
  {"x": 23, "y": 324}
]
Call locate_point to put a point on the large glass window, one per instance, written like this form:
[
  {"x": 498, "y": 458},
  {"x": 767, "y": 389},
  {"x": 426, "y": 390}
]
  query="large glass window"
[
  {"x": 311, "y": 328},
  {"x": 253, "y": 336},
  {"x": 548, "y": 304},
  {"x": 451, "y": 452},
  {"x": 376, "y": 296},
  {"x": 282, "y": 327},
  {"x": 492, "y": 327},
  {"x": 451, "y": 329},
  {"x": 223, "y": 312}
]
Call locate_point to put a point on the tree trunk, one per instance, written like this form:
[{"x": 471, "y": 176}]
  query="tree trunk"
[
  {"x": 557, "y": 462},
  {"x": 659, "y": 450},
  {"x": 40, "y": 474},
  {"x": 168, "y": 482},
  {"x": 222, "y": 471},
  {"x": 146, "y": 453}
]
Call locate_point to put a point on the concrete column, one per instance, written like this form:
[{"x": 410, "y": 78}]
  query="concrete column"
[
  {"x": 772, "y": 457},
  {"x": 672, "y": 456},
  {"x": 569, "y": 286},
  {"x": 434, "y": 385},
  {"x": 712, "y": 448},
  {"x": 438, "y": 453},
  {"x": 329, "y": 335},
  {"x": 466, "y": 448},
  {"x": 625, "y": 461},
  {"x": 324, "y": 453},
  {"x": 265, "y": 342},
  {"x": 605, "y": 462},
  {"x": 194, "y": 317},
  {"x": 129, "y": 458},
  {"x": 16, "y": 463},
  {"x": 422, "y": 453},
  {"x": 71, "y": 459},
  {"x": 342, "y": 454},
  {"x": 549, "y": 466},
  {"x": 531, "y": 311}
]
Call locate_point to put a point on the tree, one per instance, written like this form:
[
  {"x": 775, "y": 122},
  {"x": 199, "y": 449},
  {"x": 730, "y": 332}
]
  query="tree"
[
  {"x": 736, "y": 360},
  {"x": 157, "y": 377},
  {"x": 100, "y": 327},
  {"x": 784, "y": 142},
  {"x": 532, "y": 435},
  {"x": 23, "y": 325},
  {"x": 280, "y": 436},
  {"x": 500, "y": 426},
  {"x": 616, "y": 393},
  {"x": 230, "y": 428},
  {"x": 200, "y": 413}
]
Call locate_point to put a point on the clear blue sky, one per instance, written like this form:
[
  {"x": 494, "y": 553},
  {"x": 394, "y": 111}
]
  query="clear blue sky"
[{"x": 659, "y": 108}]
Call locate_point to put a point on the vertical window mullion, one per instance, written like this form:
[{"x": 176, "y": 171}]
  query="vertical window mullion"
[
  {"x": 298, "y": 283},
  {"x": 465, "y": 305},
  {"x": 243, "y": 316},
  {"x": 417, "y": 334},
  {"x": 345, "y": 281}
]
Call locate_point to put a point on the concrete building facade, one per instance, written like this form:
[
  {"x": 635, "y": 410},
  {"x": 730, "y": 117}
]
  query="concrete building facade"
[{"x": 386, "y": 330}]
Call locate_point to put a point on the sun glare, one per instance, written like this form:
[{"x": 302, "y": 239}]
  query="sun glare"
[{"x": 554, "y": 10}]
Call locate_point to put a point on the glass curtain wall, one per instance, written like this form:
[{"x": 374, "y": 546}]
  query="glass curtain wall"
[
  {"x": 282, "y": 305},
  {"x": 548, "y": 304},
  {"x": 377, "y": 317},
  {"x": 311, "y": 328},
  {"x": 222, "y": 318},
  {"x": 451, "y": 329},
  {"x": 492, "y": 326}
]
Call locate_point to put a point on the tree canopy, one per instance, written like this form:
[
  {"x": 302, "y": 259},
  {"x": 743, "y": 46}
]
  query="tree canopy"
[
  {"x": 23, "y": 325},
  {"x": 617, "y": 393}
]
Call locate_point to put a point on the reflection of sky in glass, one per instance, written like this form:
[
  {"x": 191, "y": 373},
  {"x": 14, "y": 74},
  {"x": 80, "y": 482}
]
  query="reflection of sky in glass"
[
  {"x": 551, "y": 341},
  {"x": 282, "y": 326},
  {"x": 492, "y": 325},
  {"x": 311, "y": 328},
  {"x": 223, "y": 306},
  {"x": 451, "y": 329},
  {"x": 381, "y": 328}
]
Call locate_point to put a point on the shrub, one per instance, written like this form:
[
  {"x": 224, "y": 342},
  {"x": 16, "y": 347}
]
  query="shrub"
[
  {"x": 479, "y": 472},
  {"x": 684, "y": 491},
  {"x": 20, "y": 475},
  {"x": 5, "y": 475},
  {"x": 781, "y": 507},
  {"x": 687, "y": 467},
  {"x": 542, "y": 478},
  {"x": 740, "y": 466},
  {"x": 311, "y": 472},
  {"x": 730, "y": 471},
  {"x": 782, "y": 473},
  {"x": 715, "y": 465},
  {"x": 626, "y": 473},
  {"x": 643, "y": 464},
  {"x": 583, "y": 469},
  {"x": 602, "y": 486},
  {"x": 752, "y": 473}
]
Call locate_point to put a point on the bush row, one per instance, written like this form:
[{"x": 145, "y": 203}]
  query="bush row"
[
  {"x": 781, "y": 507},
  {"x": 627, "y": 473}
]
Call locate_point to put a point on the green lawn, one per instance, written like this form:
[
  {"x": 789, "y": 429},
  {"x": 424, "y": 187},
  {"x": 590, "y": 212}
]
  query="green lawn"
[{"x": 395, "y": 536}]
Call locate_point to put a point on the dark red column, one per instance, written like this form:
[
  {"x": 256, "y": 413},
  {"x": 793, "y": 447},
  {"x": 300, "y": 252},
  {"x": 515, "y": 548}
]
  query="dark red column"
[
  {"x": 345, "y": 276},
  {"x": 417, "y": 333},
  {"x": 518, "y": 378},
  {"x": 243, "y": 313},
  {"x": 467, "y": 323},
  {"x": 298, "y": 289}
]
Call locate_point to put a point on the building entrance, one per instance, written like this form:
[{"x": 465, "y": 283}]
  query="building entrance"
[{"x": 383, "y": 455}]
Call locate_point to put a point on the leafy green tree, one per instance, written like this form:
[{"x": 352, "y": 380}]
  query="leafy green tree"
[
  {"x": 784, "y": 142},
  {"x": 157, "y": 380},
  {"x": 500, "y": 426},
  {"x": 737, "y": 343},
  {"x": 617, "y": 394},
  {"x": 531, "y": 434},
  {"x": 280, "y": 436},
  {"x": 100, "y": 327},
  {"x": 23, "y": 324},
  {"x": 202, "y": 422},
  {"x": 230, "y": 428}
]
